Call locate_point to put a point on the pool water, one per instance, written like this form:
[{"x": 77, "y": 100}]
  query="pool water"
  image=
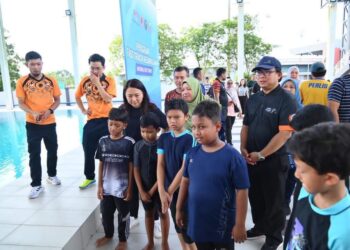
[{"x": 13, "y": 141}]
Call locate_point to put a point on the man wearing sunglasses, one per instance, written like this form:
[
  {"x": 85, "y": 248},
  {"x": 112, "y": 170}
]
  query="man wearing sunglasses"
[{"x": 263, "y": 136}]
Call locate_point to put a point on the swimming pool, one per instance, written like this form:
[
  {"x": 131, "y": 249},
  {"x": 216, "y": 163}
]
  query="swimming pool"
[{"x": 13, "y": 140}]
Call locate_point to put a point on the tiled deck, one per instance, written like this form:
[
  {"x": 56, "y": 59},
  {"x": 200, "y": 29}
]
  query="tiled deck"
[{"x": 64, "y": 217}]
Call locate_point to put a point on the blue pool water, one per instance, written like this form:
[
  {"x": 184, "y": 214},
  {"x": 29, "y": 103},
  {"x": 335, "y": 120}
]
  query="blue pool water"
[{"x": 13, "y": 141}]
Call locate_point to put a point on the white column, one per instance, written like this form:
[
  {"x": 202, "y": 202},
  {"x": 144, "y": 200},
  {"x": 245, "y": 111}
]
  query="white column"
[
  {"x": 5, "y": 73},
  {"x": 240, "y": 47},
  {"x": 332, "y": 14},
  {"x": 74, "y": 41}
]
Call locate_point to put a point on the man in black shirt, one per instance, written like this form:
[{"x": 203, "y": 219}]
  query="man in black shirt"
[{"x": 265, "y": 131}]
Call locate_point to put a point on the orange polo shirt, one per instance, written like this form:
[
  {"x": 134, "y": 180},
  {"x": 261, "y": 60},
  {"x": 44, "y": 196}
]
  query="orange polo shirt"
[
  {"x": 38, "y": 95},
  {"x": 99, "y": 108}
]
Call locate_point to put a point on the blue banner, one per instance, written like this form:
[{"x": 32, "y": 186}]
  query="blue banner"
[{"x": 140, "y": 42}]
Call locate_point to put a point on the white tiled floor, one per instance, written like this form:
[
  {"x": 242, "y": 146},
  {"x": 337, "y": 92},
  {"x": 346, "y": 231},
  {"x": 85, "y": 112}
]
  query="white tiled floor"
[{"x": 50, "y": 221}]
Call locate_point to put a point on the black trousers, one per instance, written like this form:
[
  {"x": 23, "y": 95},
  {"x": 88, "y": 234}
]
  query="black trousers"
[
  {"x": 215, "y": 246},
  {"x": 36, "y": 133},
  {"x": 135, "y": 201},
  {"x": 230, "y": 120},
  {"x": 243, "y": 100},
  {"x": 266, "y": 195},
  {"x": 108, "y": 206},
  {"x": 93, "y": 130}
]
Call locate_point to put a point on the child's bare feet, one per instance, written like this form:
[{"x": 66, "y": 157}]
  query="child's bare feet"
[
  {"x": 149, "y": 246},
  {"x": 102, "y": 241},
  {"x": 121, "y": 246},
  {"x": 165, "y": 246}
]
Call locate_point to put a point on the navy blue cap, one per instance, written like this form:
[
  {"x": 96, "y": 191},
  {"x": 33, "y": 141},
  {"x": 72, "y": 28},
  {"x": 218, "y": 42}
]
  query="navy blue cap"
[
  {"x": 268, "y": 62},
  {"x": 318, "y": 67}
]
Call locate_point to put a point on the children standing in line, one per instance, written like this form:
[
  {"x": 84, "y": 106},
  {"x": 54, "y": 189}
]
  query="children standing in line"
[
  {"x": 306, "y": 117},
  {"x": 115, "y": 152},
  {"x": 215, "y": 184},
  {"x": 172, "y": 149},
  {"x": 323, "y": 209},
  {"x": 145, "y": 172}
]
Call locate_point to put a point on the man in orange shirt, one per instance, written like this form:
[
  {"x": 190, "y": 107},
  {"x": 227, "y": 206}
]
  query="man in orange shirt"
[
  {"x": 99, "y": 90},
  {"x": 39, "y": 95}
]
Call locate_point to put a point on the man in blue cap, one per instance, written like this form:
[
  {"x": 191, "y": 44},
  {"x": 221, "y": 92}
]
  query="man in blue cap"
[{"x": 263, "y": 136}]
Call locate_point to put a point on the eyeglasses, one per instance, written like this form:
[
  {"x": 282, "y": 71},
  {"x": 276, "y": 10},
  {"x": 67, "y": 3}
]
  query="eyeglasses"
[{"x": 264, "y": 72}]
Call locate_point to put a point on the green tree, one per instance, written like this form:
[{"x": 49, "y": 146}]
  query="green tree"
[
  {"x": 64, "y": 77},
  {"x": 171, "y": 50},
  {"x": 117, "y": 56},
  {"x": 203, "y": 43},
  {"x": 214, "y": 44},
  {"x": 14, "y": 61}
]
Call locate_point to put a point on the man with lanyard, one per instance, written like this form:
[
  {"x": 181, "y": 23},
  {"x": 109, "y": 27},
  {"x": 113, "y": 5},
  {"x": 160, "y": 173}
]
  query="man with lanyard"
[
  {"x": 99, "y": 90},
  {"x": 39, "y": 95},
  {"x": 263, "y": 136},
  {"x": 218, "y": 90}
]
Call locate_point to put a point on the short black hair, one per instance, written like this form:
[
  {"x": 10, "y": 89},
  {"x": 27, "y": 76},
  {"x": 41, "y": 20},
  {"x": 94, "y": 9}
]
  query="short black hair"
[
  {"x": 319, "y": 74},
  {"x": 182, "y": 68},
  {"x": 220, "y": 71},
  {"x": 325, "y": 147},
  {"x": 209, "y": 109},
  {"x": 150, "y": 119},
  {"x": 178, "y": 104},
  {"x": 196, "y": 72},
  {"x": 311, "y": 115},
  {"x": 118, "y": 114},
  {"x": 97, "y": 58},
  {"x": 32, "y": 55}
]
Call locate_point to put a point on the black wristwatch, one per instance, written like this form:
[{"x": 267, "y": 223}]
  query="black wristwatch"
[{"x": 51, "y": 111}]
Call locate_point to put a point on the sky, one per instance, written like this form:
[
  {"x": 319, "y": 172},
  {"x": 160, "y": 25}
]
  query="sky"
[{"x": 41, "y": 25}]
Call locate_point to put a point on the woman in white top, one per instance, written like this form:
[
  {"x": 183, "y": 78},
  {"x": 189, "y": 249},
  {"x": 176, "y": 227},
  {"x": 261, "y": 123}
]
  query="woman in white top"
[
  {"x": 232, "y": 112},
  {"x": 243, "y": 93}
]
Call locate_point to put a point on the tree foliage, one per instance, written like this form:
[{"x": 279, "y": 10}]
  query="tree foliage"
[
  {"x": 63, "y": 76},
  {"x": 211, "y": 44},
  {"x": 203, "y": 43},
  {"x": 117, "y": 56},
  {"x": 215, "y": 44},
  {"x": 14, "y": 61},
  {"x": 171, "y": 50}
]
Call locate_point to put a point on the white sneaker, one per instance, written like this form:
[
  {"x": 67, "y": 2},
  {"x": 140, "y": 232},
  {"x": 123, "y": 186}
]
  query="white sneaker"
[
  {"x": 157, "y": 230},
  {"x": 54, "y": 180},
  {"x": 134, "y": 222},
  {"x": 35, "y": 192}
]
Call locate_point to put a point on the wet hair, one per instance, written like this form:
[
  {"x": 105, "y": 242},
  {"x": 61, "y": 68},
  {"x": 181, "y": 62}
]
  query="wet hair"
[
  {"x": 32, "y": 55},
  {"x": 97, "y": 58},
  {"x": 196, "y": 72},
  {"x": 311, "y": 115},
  {"x": 145, "y": 104},
  {"x": 150, "y": 119},
  {"x": 118, "y": 114},
  {"x": 220, "y": 71},
  {"x": 209, "y": 109},
  {"x": 182, "y": 68},
  {"x": 176, "y": 104},
  {"x": 325, "y": 147}
]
